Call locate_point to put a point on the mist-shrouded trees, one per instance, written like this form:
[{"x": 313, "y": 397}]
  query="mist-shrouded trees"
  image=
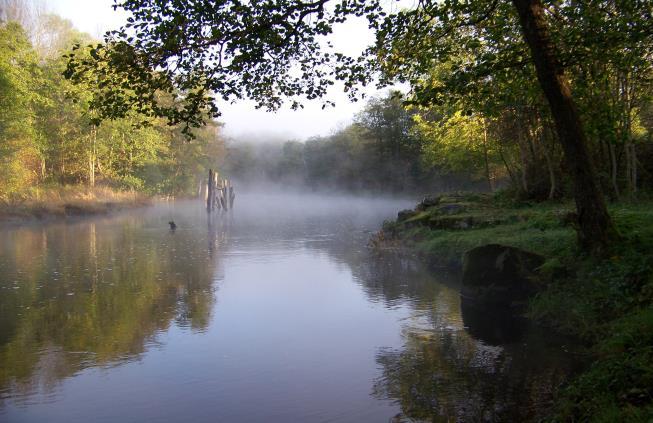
[
  {"x": 522, "y": 67},
  {"x": 49, "y": 134},
  {"x": 384, "y": 150}
]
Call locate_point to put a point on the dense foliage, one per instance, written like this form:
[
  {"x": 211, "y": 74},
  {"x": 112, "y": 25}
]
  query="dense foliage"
[
  {"x": 466, "y": 62},
  {"x": 47, "y": 136},
  {"x": 606, "y": 303},
  {"x": 482, "y": 69}
]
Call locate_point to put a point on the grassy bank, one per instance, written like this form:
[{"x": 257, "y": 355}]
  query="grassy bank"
[
  {"x": 72, "y": 200},
  {"x": 608, "y": 304}
]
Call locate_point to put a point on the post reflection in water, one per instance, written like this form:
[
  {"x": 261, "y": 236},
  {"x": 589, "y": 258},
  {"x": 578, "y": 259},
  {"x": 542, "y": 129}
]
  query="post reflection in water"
[{"x": 276, "y": 312}]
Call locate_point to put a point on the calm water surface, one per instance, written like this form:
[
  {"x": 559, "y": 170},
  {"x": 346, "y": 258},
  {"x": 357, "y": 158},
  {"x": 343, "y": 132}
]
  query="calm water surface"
[{"x": 275, "y": 313}]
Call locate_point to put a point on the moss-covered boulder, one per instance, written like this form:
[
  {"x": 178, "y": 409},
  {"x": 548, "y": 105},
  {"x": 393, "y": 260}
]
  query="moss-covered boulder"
[{"x": 499, "y": 275}]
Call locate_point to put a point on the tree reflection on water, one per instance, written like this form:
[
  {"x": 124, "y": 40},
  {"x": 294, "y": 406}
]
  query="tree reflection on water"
[
  {"x": 460, "y": 363},
  {"x": 94, "y": 294}
]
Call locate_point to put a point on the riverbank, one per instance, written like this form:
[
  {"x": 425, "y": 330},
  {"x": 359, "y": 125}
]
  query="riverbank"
[
  {"x": 67, "y": 201},
  {"x": 607, "y": 304}
]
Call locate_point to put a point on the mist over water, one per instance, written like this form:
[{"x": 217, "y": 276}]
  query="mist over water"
[{"x": 275, "y": 311}]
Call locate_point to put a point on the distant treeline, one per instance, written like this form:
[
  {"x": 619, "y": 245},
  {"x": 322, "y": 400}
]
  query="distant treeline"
[
  {"x": 391, "y": 147},
  {"x": 47, "y": 134},
  {"x": 381, "y": 151}
]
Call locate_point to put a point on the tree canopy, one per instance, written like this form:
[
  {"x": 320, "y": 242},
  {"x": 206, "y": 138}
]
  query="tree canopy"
[{"x": 201, "y": 52}]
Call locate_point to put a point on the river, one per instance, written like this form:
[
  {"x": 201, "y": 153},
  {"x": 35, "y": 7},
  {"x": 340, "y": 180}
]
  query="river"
[{"x": 276, "y": 312}]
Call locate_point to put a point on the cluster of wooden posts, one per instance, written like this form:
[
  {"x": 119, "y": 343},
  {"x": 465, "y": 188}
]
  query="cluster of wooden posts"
[{"x": 219, "y": 194}]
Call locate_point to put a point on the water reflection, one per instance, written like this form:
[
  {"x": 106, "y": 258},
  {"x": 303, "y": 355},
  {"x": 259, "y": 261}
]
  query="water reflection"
[
  {"x": 94, "y": 294},
  {"x": 493, "y": 325},
  {"x": 279, "y": 306},
  {"x": 459, "y": 363}
]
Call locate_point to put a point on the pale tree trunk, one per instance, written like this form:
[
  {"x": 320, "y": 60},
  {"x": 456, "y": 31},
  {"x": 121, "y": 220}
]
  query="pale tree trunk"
[
  {"x": 634, "y": 169},
  {"x": 547, "y": 156},
  {"x": 485, "y": 156},
  {"x": 513, "y": 179},
  {"x": 552, "y": 176},
  {"x": 627, "y": 170},
  {"x": 628, "y": 95},
  {"x": 595, "y": 231},
  {"x": 91, "y": 157},
  {"x": 631, "y": 157}
]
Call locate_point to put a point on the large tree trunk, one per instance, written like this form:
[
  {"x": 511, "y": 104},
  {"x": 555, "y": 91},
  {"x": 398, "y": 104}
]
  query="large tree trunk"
[{"x": 595, "y": 226}]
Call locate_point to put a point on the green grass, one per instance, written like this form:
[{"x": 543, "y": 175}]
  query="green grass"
[
  {"x": 535, "y": 228},
  {"x": 607, "y": 303},
  {"x": 617, "y": 386}
]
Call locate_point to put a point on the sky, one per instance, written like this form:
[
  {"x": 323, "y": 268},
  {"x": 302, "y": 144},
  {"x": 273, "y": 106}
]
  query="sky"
[{"x": 242, "y": 120}]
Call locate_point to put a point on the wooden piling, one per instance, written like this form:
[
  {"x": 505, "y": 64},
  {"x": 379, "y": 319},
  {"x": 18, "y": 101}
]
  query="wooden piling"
[
  {"x": 216, "y": 179},
  {"x": 210, "y": 192},
  {"x": 219, "y": 193},
  {"x": 224, "y": 197}
]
